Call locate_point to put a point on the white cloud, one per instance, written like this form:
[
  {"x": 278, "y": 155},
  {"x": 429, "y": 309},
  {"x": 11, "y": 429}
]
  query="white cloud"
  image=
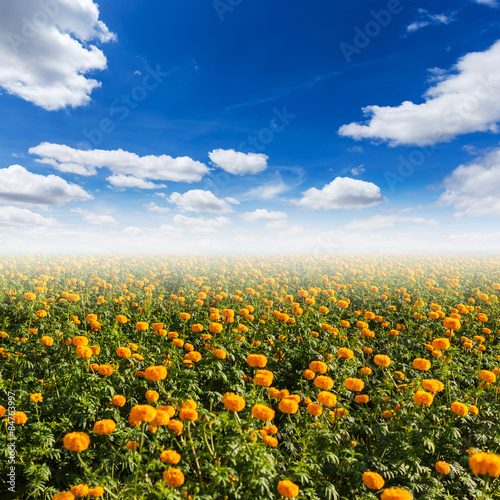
[
  {"x": 121, "y": 181},
  {"x": 463, "y": 101},
  {"x": 85, "y": 162},
  {"x": 267, "y": 191},
  {"x": 473, "y": 189},
  {"x": 132, "y": 230},
  {"x": 238, "y": 163},
  {"x": 95, "y": 219},
  {"x": 199, "y": 225},
  {"x": 14, "y": 216},
  {"x": 491, "y": 3},
  {"x": 233, "y": 201},
  {"x": 153, "y": 207},
  {"x": 425, "y": 19},
  {"x": 19, "y": 186},
  {"x": 198, "y": 200},
  {"x": 387, "y": 221},
  {"x": 342, "y": 193},
  {"x": 357, "y": 170},
  {"x": 46, "y": 50},
  {"x": 263, "y": 214}
]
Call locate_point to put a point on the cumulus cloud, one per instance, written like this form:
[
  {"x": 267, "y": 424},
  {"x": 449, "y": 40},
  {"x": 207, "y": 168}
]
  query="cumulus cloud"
[
  {"x": 238, "y": 163},
  {"x": 263, "y": 214},
  {"x": 201, "y": 225},
  {"x": 342, "y": 193},
  {"x": 121, "y": 181},
  {"x": 132, "y": 230},
  {"x": 426, "y": 18},
  {"x": 464, "y": 100},
  {"x": 95, "y": 219},
  {"x": 15, "y": 216},
  {"x": 46, "y": 49},
  {"x": 198, "y": 200},
  {"x": 387, "y": 221},
  {"x": 491, "y": 3},
  {"x": 85, "y": 162},
  {"x": 18, "y": 185},
  {"x": 473, "y": 189}
]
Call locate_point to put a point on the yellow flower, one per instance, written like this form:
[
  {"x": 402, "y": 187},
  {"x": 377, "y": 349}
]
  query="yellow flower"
[
  {"x": 488, "y": 376},
  {"x": 373, "y": 480},
  {"x": 395, "y": 494},
  {"x": 289, "y": 406},
  {"x": 345, "y": 353},
  {"x": 152, "y": 396},
  {"x": 263, "y": 412},
  {"x": 314, "y": 409},
  {"x": 123, "y": 352},
  {"x": 421, "y": 364},
  {"x": 382, "y": 360},
  {"x": 36, "y": 397},
  {"x": 142, "y": 413},
  {"x": 323, "y": 382},
  {"x": 142, "y": 326},
  {"x": 155, "y": 373},
  {"x": 233, "y": 402},
  {"x": 327, "y": 398},
  {"x": 354, "y": 384},
  {"x": 441, "y": 344},
  {"x": 80, "y": 490},
  {"x": 257, "y": 360},
  {"x": 288, "y": 489},
  {"x": 423, "y": 398},
  {"x": 19, "y": 418},
  {"x": 263, "y": 378},
  {"x": 432, "y": 385},
  {"x": 442, "y": 467},
  {"x": 318, "y": 367},
  {"x": 170, "y": 457},
  {"x": 459, "y": 408},
  {"x": 118, "y": 400},
  {"x": 47, "y": 341},
  {"x": 188, "y": 414}
]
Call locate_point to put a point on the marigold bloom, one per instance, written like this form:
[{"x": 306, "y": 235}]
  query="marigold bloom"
[
  {"x": 288, "y": 489},
  {"x": 308, "y": 374},
  {"x": 373, "y": 480},
  {"x": 123, "y": 352},
  {"x": 257, "y": 360},
  {"x": 36, "y": 397},
  {"x": 173, "y": 477},
  {"x": 105, "y": 370},
  {"x": 362, "y": 398},
  {"x": 343, "y": 304},
  {"x": 142, "y": 413},
  {"x": 452, "y": 323},
  {"x": 121, "y": 319},
  {"x": 184, "y": 316},
  {"x": 155, "y": 373},
  {"x": 323, "y": 382},
  {"x": 170, "y": 457},
  {"x": 345, "y": 353},
  {"x": 176, "y": 426},
  {"x": 365, "y": 370},
  {"x": 80, "y": 490},
  {"x": 263, "y": 412},
  {"x": 318, "y": 367},
  {"x": 382, "y": 360},
  {"x": 399, "y": 375},
  {"x": 152, "y": 396},
  {"x": 473, "y": 409},
  {"x": 423, "y": 398},
  {"x": 485, "y": 464},
  {"x": 118, "y": 400},
  {"x": 63, "y": 495},
  {"x": 188, "y": 414},
  {"x": 215, "y": 327},
  {"x": 233, "y": 402},
  {"x": 19, "y": 418},
  {"x": 104, "y": 427},
  {"x": 80, "y": 341},
  {"x": 219, "y": 353},
  {"x": 421, "y": 364},
  {"x": 2, "y": 411},
  {"x": 488, "y": 376},
  {"x": 264, "y": 378},
  {"x": 198, "y": 328},
  {"x": 441, "y": 344},
  {"x": 193, "y": 356},
  {"x": 30, "y": 297},
  {"x": 395, "y": 494},
  {"x": 288, "y": 406},
  {"x": 142, "y": 326},
  {"x": 96, "y": 492},
  {"x": 432, "y": 385},
  {"x": 354, "y": 384},
  {"x": 76, "y": 441},
  {"x": 132, "y": 445},
  {"x": 314, "y": 409},
  {"x": 442, "y": 467},
  {"x": 83, "y": 352},
  {"x": 459, "y": 408},
  {"x": 327, "y": 398},
  {"x": 47, "y": 341}
]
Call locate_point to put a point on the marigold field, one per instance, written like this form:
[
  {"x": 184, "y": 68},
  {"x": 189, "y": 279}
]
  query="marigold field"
[{"x": 333, "y": 377}]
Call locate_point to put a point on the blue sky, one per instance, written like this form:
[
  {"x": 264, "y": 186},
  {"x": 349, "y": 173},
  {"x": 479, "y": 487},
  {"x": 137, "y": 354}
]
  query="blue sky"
[{"x": 250, "y": 126}]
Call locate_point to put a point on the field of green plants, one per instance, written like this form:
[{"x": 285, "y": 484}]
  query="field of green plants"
[{"x": 250, "y": 378}]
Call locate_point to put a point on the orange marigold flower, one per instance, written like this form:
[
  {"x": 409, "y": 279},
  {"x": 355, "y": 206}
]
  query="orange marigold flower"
[
  {"x": 263, "y": 412},
  {"x": 219, "y": 353},
  {"x": 152, "y": 396},
  {"x": 76, "y": 441},
  {"x": 432, "y": 385},
  {"x": 441, "y": 344},
  {"x": 288, "y": 489},
  {"x": 257, "y": 360},
  {"x": 80, "y": 490},
  {"x": 105, "y": 370},
  {"x": 373, "y": 480},
  {"x": 123, "y": 352},
  {"x": 362, "y": 398},
  {"x": 170, "y": 457},
  {"x": 142, "y": 413},
  {"x": 104, "y": 427},
  {"x": 155, "y": 373},
  {"x": 459, "y": 408},
  {"x": 323, "y": 382},
  {"x": 452, "y": 323},
  {"x": 318, "y": 367},
  {"x": 118, "y": 400},
  {"x": 288, "y": 406},
  {"x": 485, "y": 464},
  {"x": 173, "y": 477},
  {"x": 263, "y": 378},
  {"x": 345, "y": 353},
  {"x": 47, "y": 341},
  {"x": 442, "y": 467},
  {"x": 488, "y": 376},
  {"x": 36, "y": 397},
  {"x": 80, "y": 341},
  {"x": 327, "y": 398},
  {"x": 395, "y": 494},
  {"x": 421, "y": 364},
  {"x": 423, "y": 398},
  {"x": 314, "y": 409},
  {"x": 19, "y": 418},
  {"x": 188, "y": 414},
  {"x": 96, "y": 492},
  {"x": 63, "y": 495},
  {"x": 354, "y": 384},
  {"x": 382, "y": 360},
  {"x": 141, "y": 326},
  {"x": 176, "y": 426},
  {"x": 233, "y": 402}
]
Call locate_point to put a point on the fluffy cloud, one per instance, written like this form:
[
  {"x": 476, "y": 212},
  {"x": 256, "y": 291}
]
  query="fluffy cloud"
[
  {"x": 473, "y": 189},
  {"x": 14, "y": 216},
  {"x": 121, "y": 181},
  {"x": 19, "y": 186},
  {"x": 462, "y": 101},
  {"x": 387, "y": 221},
  {"x": 153, "y": 207},
  {"x": 95, "y": 219},
  {"x": 267, "y": 191},
  {"x": 342, "y": 193},
  {"x": 491, "y": 3},
  {"x": 199, "y": 225},
  {"x": 262, "y": 214},
  {"x": 46, "y": 50},
  {"x": 85, "y": 162},
  {"x": 198, "y": 200},
  {"x": 238, "y": 163}
]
